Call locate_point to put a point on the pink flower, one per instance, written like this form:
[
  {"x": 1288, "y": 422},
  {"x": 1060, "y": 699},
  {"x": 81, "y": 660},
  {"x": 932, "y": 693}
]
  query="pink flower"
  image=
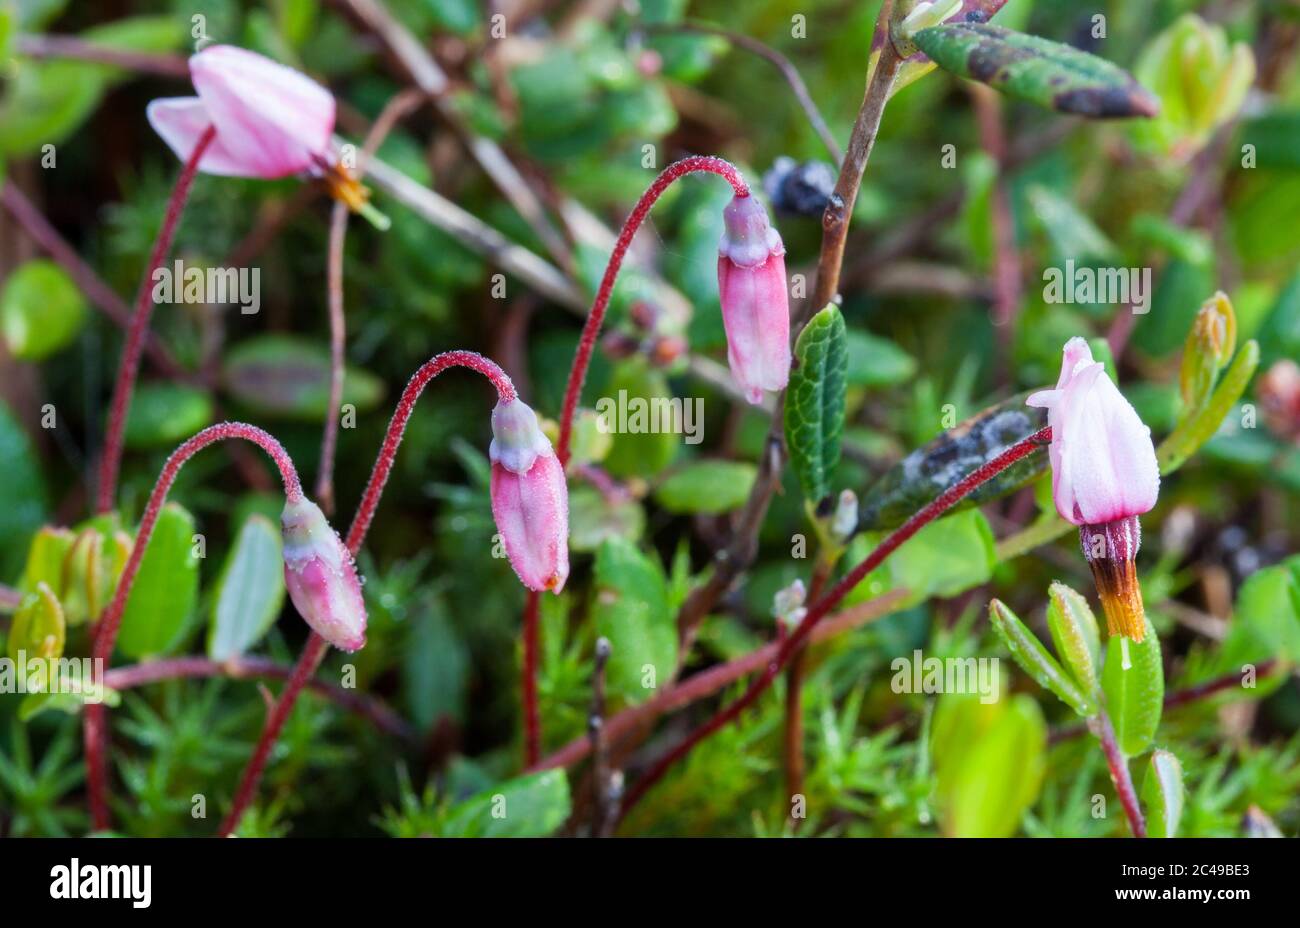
[
  {"x": 755, "y": 303},
  {"x": 320, "y": 576},
  {"x": 1103, "y": 463},
  {"x": 530, "y": 499},
  {"x": 271, "y": 121}
]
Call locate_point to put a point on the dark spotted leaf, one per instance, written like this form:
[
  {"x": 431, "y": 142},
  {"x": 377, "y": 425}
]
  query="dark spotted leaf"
[
  {"x": 932, "y": 468},
  {"x": 814, "y": 402},
  {"x": 1048, "y": 73}
]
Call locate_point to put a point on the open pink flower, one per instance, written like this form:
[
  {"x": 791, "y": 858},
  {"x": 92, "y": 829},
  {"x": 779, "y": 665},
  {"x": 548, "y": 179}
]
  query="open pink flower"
[
  {"x": 271, "y": 121},
  {"x": 320, "y": 576},
  {"x": 1103, "y": 463},
  {"x": 755, "y": 303},
  {"x": 530, "y": 499}
]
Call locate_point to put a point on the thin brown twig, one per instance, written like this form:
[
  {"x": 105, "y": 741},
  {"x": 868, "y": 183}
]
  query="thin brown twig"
[
  {"x": 731, "y": 561},
  {"x": 67, "y": 46},
  {"x": 100, "y": 294},
  {"x": 402, "y": 103},
  {"x": 248, "y": 667},
  {"x": 778, "y": 60}
]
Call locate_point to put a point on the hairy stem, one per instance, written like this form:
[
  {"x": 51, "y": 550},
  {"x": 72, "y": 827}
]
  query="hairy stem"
[
  {"x": 596, "y": 316},
  {"x": 111, "y": 461},
  {"x": 825, "y": 604},
  {"x": 314, "y": 650},
  {"x": 1117, "y": 763},
  {"x": 96, "y": 734},
  {"x": 528, "y": 680},
  {"x": 730, "y": 562},
  {"x": 401, "y": 104},
  {"x": 247, "y": 666}
]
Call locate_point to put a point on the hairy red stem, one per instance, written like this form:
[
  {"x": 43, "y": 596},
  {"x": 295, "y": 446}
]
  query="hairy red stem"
[
  {"x": 105, "y": 637},
  {"x": 795, "y": 640},
  {"x": 1117, "y": 763},
  {"x": 591, "y": 328},
  {"x": 111, "y": 461},
  {"x": 315, "y": 649},
  {"x": 528, "y": 685}
]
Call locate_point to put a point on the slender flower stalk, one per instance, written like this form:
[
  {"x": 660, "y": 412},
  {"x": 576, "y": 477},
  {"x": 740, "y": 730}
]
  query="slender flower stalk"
[
  {"x": 401, "y": 104},
  {"x": 316, "y": 647},
  {"x": 111, "y": 461},
  {"x": 106, "y": 632},
  {"x": 596, "y": 316},
  {"x": 1104, "y": 475},
  {"x": 796, "y": 639},
  {"x": 1117, "y": 764}
]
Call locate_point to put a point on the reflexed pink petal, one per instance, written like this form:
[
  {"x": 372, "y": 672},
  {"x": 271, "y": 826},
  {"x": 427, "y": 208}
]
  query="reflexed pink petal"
[
  {"x": 271, "y": 121},
  {"x": 1103, "y": 462},
  {"x": 320, "y": 576},
  {"x": 532, "y": 514},
  {"x": 755, "y": 302},
  {"x": 180, "y": 121}
]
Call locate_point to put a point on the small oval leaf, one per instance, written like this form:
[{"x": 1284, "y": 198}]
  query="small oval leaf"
[
  {"x": 1162, "y": 794},
  {"x": 1074, "y": 634},
  {"x": 1027, "y": 651},
  {"x": 632, "y": 610},
  {"x": 250, "y": 591},
  {"x": 708, "y": 487},
  {"x": 934, "y": 467},
  {"x": 285, "y": 376},
  {"x": 41, "y": 310},
  {"x": 814, "y": 401},
  {"x": 1134, "y": 693},
  {"x": 165, "y": 588},
  {"x": 1048, "y": 73}
]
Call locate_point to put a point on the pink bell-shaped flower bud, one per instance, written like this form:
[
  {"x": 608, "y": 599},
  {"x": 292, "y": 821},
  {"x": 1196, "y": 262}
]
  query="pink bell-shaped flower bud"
[
  {"x": 271, "y": 121},
  {"x": 1104, "y": 475},
  {"x": 1103, "y": 463},
  {"x": 530, "y": 499},
  {"x": 321, "y": 577},
  {"x": 755, "y": 302}
]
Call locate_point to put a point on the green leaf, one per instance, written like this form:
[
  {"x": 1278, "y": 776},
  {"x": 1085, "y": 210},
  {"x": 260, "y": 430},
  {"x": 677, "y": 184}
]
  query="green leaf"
[
  {"x": 877, "y": 362},
  {"x": 1027, "y": 651},
  {"x": 1162, "y": 795},
  {"x": 38, "y": 629},
  {"x": 22, "y": 493},
  {"x": 1073, "y": 235},
  {"x": 1075, "y": 636},
  {"x": 45, "y": 558},
  {"x": 709, "y": 487},
  {"x": 814, "y": 401},
  {"x": 631, "y": 610},
  {"x": 1191, "y": 434},
  {"x": 250, "y": 590},
  {"x": 989, "y": 761},
  {"x": 929, "y": 470},
  {"x": 41, "y": 310},
  {"x": 165, "y": 588},
  {"x": 532, "y": 806},
  {"x": 593, "y": 518},
  {"x": 166, "y": 414},
  {"x": 1039, "y": 70},
  {"x": 288, "y": 377},
  {"x": 1134, "y": 695},
  {"x": 1266, "y": 617},
  {"x": 946, "y": 557},
  {"x": 634, "y": 390}
]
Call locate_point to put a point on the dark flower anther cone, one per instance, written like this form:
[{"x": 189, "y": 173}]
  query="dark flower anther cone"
[{"x": 1111, "y": 550}]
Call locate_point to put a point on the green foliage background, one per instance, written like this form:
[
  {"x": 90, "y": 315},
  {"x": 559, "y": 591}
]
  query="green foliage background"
[{"x": 576, "y": 102}]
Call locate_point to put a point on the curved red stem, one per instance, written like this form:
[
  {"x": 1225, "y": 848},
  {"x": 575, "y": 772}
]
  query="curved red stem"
[
  {"x": 591, "y": 328},
  {"x": 106, "y": 633},
  {"x": 795, "y": 640},
  {"x": 111, "y": 461},
  {"x": 315, "y": 649}
]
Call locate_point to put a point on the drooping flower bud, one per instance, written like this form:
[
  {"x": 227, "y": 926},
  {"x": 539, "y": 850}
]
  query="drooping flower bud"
[
  {"x": 321, "y": 577},
  {"x": 755, "y": 302},
  {"x": 271, "y": 121},
  {"x": 1104, "y": 475},
  {"x": 530, "y": 499}
]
